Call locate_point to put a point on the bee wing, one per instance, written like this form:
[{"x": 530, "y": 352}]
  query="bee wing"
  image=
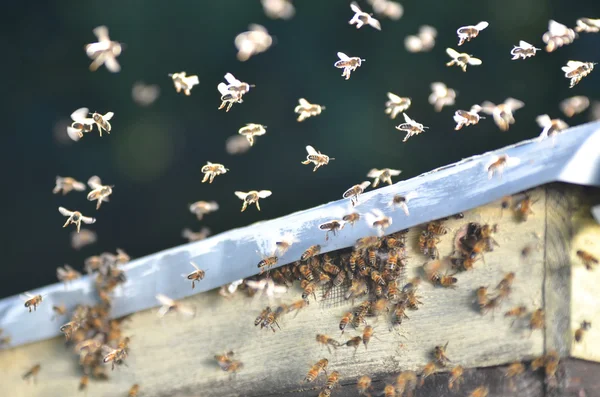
[
  {"x": 482, "y": 25},
  {"x": 343, "y": 56},
  {"x": 192, "y": 80},
  {"x": 112, "y": 64},
  {"x": 513, "y": 103},
  {"x": 264, "y": 193},
  {"x": 355, "y": 7},
  {"x": 232, "y": 80},
  {"x": 213, "y": 206},
  {"x": 374, "y": 173},
  {"x": 394, "y": 172},
  {"x": 88, "y": 220},
  {"x": 452, "y": 53},
  {"x": 94, "y": 182},
  {"x": 488, "y": 107},
  {"x": 193, "y": 264},
  {"x": 65, "y": 211},
  {"x": 375, "y": 23},
  {"x": 80, "y": 187},
  {"x": 438, "y": 87},
  {"x": 311, "y": 150},
  {"x": 222, "y": 87},
  {"x": 474, "y": 61},
  {"x": 165, "y": 300},
  {"x": 303, "y": 102},
  {"x": 241, "y": 195},
  {"x": 69, "y": 269},
  {"x": 73, "y": 133},
  {"x": 28, "y": 296},
  {"x": 108, "y": 116},
  {"x": 393, "y": 97},
  {"x": 524, "y": 44},
  {"x": 79, "y": 115},
  {"x": 101, "y": 33},
  {"x": 543, "y": 120},
  {"x": 365, "y": 185},
  {"x": 408, "y": 119}
]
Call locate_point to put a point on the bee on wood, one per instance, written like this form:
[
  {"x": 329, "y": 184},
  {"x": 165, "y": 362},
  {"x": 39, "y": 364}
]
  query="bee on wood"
[
  {"x": 464, "y": 118},
  {"x": 428, "y": 244},
  {"x": 503, "y": 113},
  {"x": 576, "y": 70},
  {"x": 345, "y": 320},
  {"x": 315, "y": 157},
  {"x": 104, "y": 52},
  {"x": 252, "y": 42},
  {"x": 589, "y": 260},
  {"x": 587, "y": 25},
  {"x": 102, "y": 121},
  {"x": 396, "y": 105},
  {"x": 466, "y": 33},
  {"x": 411, "y": 127},
  {"x": 67, "y": 274},
  {"x": 378, "y": 221},
  {"x": 252, "y": 197},
  {"x": 75, "y": 217},
  {"x": 332, "y": 226},
  {"x": 169, "y": 305},
  {"x": 523, "y": 208},
  {"x": 551, "y": 366},
  {"x": 354, "y": 342},
  {"x": 325, "y": 393},
  {"x": 313, "y": 250},
  {"x": 462, "y": 60},
  {"x": 574, "y": 105},
  {"x": 497, "y": 164},
  {"x": 196, "y": 275},
  {"x": 134, "y": 390},
  {"x": 524, "y": 50},
  {"x": 367, "y": 335},
  {"x": 482, "y": 298},
  {"x": 81, "y": 124},
  {"x": 361, "y": 18},
  {"x": 585, "y": 325},
  {"x": 232, "y": 92},
  {"x": 481, "y": 391},
  {"x": 308, "y": 289},
  {"x": 69, "y": 328},
  {"x": 384, "y": 175},
  {"x": 250, "y": 130},
  {"x": 441, "y": 96},
  {"x": 349, "y": 64},
  {"x": 32, "y": 301},
  {"x": 262, "y": 316},
  {"x": 184, "y": 83},
  {"x": 32, "y": 373},
  {"x": 439, "y": 354},
  {"x": 504, "y": 286},
  {"x": 316, "y": 369},
  {"x": 456, "y": 377},
  {"x": 432, "y": 271},
  {"x": 363, "y": 385},
  {"x": 67, "y": 184},
  {"x": 537, "y": 319},
  {"x": 356, "y": 191},
  {"x": 367, "y": 242},
  {"x": 427, "y": 371},
  {"x": 210, "y": 170},
  {"x": 327, "y": 341},
  {"x": 557, "y": 36},
  {"x": 99, "y": 192},
  {"x": 267, "y": 263},
  {"x": 201, "y": 208},
  {"x": 389, "y": 391},
  {"x": 272, "y": 317},
  {"x": 424, "y": 41},
  {"x": 306, "y": 109},
  {"x": 551, "y": 127}
]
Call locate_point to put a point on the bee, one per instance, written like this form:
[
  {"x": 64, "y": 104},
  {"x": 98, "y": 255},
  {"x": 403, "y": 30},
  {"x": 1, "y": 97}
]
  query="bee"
[
  {"x": 32, "y": 301},
  {"x": 83, "y": 382},
  {"x": 537, "y": 319},
  {"x": 69, "y": 328},
  {"x": 396, "y": 105},
  {"x": 83, "y": 238},
  {"x": 551, "y": 361},
  {"x": 349, "y": 64},
  {"x": 250, "y": 130},
  {"x": 497, "y": 164},
  {"x": 377, "y": 220},
  {"x": 67, "y": 184},
  {"x": 424, "y": 41},
  {"x": 81, "y": 124},
  {"x": 75, "y": 217},
  {"x": 503, "y": 113},
  {"x": 308, "y": 288},
  {"x": 224, "y": 360},
  {"x": 306, "y": 109},
  {"x": 441, "y": 96},
  {"x": 466, "y": 33},
  {"x": 236, "y": 144},
  {"x": 504, "y": 286},
  {"x": 169, "y": 305},
  {"x": 587, "y": 25},
  {"x": 456, "y": 377},
  {"x": 439, "y": 353},
  {"x": 345, "y": 320},
  {"x": 523, "y": 208},
  {"x": 201, "y": 208},
  {"x": 365, "y": 243},
  {"x": 329, "y": 267},
  {"x": 332, "y": 380},
  {"x": 327, "y": 341},
  {"x": 363, "y": 384},
  {"x": 361, "y": 18},
  {"x": 389, "y": 391},
  {"x": 411, "y": 127},
  {"x": 184, "y": 83},
  {"x": 358, "y": 288},
  {"x": 524, "y": 50},
  {"x": 313, "y": 250},
  {"x": 464, "y": 118},
  {"x": 387, "y": 8},
  {"x": 252, "y": 197},
  {"x": 196, "y": 275},
  {"x": 432, "y": 271},
  {"x": 356, "y": 191},
  {"x": 104, "y": 52},
  {"x": 576, "y": 70},
  {"x": 517, "y": 312},
  {"x": 325, "y": 393},
  {"x": 67, "y": 273},
  {"x": 354, "y": 342},
  {"x": 574, "y": 105},
  {"x": 428, "y": 370},
  {"x": 367, "y": 335},
  {"x": 278, "y": 9},
  {"x": 267, "y": 263},
  {"x": 102, "y": 121},
  {"x": 286, "y": 241},
  {"x": 384, "y": 175},
  {"x": 32, "y": 373},
  {"x": 551, "y": 127},
  {"x": 437, "y": 228},
  {"x": 134, "y": 390},
  {"x": 114, "y": 356},
  {"x": 262, "y": 316},
  {"x": 462, "y": 60},
  {"x": 589, "y": 260},
  {"x": 272, "y": 317},
  {"x": 585, "y": 325},
  {"x": 99, "y": 192},
  {"x": 482, "y": 298},
  {"x": 515, "y": 369},
  {"x": 145, "y": 94},
  {"x": 232, "y": 92},
  {"x": 210, "y": 170},
  {"x": 406, "y": 381},
  {"x": 315, "y": 157},
  {"x": 316, "y": 369},
  {"x": 252, "y": 42},
  {"x": 481, "y": 391},
  {"x": 557, "y": 36}
]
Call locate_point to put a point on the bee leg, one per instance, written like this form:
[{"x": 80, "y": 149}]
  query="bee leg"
[
  {"x": 67, "y": 222},
  {"x": 98, "y": 204},
  {"x": 257, "y": 205},
  {"x": 78, "y": 225}
]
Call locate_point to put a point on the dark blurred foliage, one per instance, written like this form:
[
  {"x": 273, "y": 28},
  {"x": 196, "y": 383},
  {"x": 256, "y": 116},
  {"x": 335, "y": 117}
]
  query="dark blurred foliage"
[{"x": 154, "y": 154}]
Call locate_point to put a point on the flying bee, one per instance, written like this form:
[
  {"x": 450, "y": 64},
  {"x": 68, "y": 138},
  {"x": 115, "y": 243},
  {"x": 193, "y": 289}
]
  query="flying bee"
[
  {"x": 349, "y": 64},
  {"x": 232, "y": 92},
  {"x": 367, "y": 335},
  {"x": 210, "y": 170},
  {"x": 514, "y": 369},
  {"x": 384, "y": 175},
  {"x": 327, "y": 341},
  {"x": 69, "y": 328},
  {"x": 402, "y": 201},
  {"x": 466, "y": 33},
  {"x": 482, "y": 298},
  {"x": 585, "y": 325},
  {"x": 377, "y": 220},
  {"x": 169, "y": 305},
  {"x": 497, "y": 164},
  {"x": 67, "y": 273},
  {"x": 224, "y": 360},
  {"x": 363, "y": 384},
  {"x": 201, "y": 208},
  {"x": 82, "y": 239},
  {"x": 313, "y": 250},
  {"x": 441, "y": 96},
  {"x": 361, "y": 18},
  {"x": 184, "y": 83},
  {"x": 354, "y": 342},
  {"x": 505, "y": 285},
  {"x": 256, "y": 40},
  {"x": 424, "y": 41},
  {"x": 306, "y": 109},
  {"x": 81, "y": 124},
  {"x": 396, "y": 105},
  {"x": 428, "y": 370},
  {"x": 104, "y": 52},
  {"x": 356, "y": 191},
  {"x": 99, "y": 192},
  {"x": 32, "y": 373},
  {"x": 537, "y": 319},
  {"x": 524, "y": 50},
  {"x": 316, "y": 369},
  {"x": 272, "y": 317},
  {"x": 461, "y": 60},
  {"x": 114, "y": 356},
  {"x": 576, "y": 70},
  {"x": 75, "y": 217},
  {"x": 574, "y": 105},
  {"x": 32, "y": 301},
  {"x": 145, "y": 94},
  {"x": 523, "y": 208},
  {"x": 587, "y": 25},
  {"x": 251, "y": 130},
  {"x": 411, "y": 127},
  {"x": 551, "y": 127},
  {"x": 466, "y": 118},
  {"x": 102, "y": 121},
  {"x": 351, "y": 218},
  {"x": 516, "y": 312},
  {"x": 134, "y": 390},
  {"x": 83, "y": 382},
  {"x": 456, "y": 377},
  {"x": 262, "y": 316},
  {"x": 481, "y": 391},
  {"x": 332, "y": 226},
  {"x": 308, "y": 288},
  {"x": 236, "y": 144},
  {"x": 557, "y": 36},
  {"x": 589, "y": 260},
  {"x": 67, "y": 184},
  {"x": 196, "y": 275},
  {"x": 439, "y": 353},
  {"x": 278, "y": 9},
  {"x": 267, "y": 263},
  {"x": 285, "y": 242},
  {"x": 315, "y": 157},
  {"x": 503, "y": 113}
]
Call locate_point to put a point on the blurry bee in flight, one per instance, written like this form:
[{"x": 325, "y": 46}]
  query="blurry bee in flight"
[
  {"x": 75, "y": 217},
  {"x": 384, "y": 175},
  {"x": 134, "y": 390},
  {"x": 354, "y": 342},
  {"x": 551, "y": 127},
  {"x": 574, "y": 105},
  {"x": 441, "y": 96},
  {"x": 102, "y": 121},
  {"x": 587, "y": 25},
  {"x": 363, "y": 384},
  {"x": 114, "y": 356},
  {"x": 169, "y": 305},
  {"x": 576, "y": 70},
  {"x": 464, "y": 118},
  {"x": 427, "y": 371},
  {"x": 278, "y": 9},
  {"x": 66, "y": 274},
  {"x": 67, "y": 184},
  {"x": 99, "y": 192},
  {"x": 387, "y": 8},
  {"x": 377, "y": 220},
  {"x": 327, "y": 341},
  {"x": 524, "y": 50},
  {"x": 466, "y": 33},
  {"x": 32, "y": 373},
  {"x": 196, "y": 275},
  {"x": 332, "y": 226},
  {"x": 201, "y": 208},
  {"x": 104, "y": 52},
  {"x": 252, "y": 42},
  {"x": 315, "y": 157},
  {"x": 503, "y": 113},
  {"x": 316, "y": 369},
  {"x": 456, "y": 377},
  {"x": 236, "y": 144},
  {"x": 396, "y": 105},
  {"x": 356, "y": 191},
  {"x": 516, "y": 312},
  {"x": 252, "y": 197},
  {"x": 285, "y": 242},
  {"x": 439, "y": 353},
  {"x": 184, "y": 83},
  {"x": 306, "y": 109},
  {"x": 32, "y": 301},
  {"x": 424, "y": 41},
  {"x": 210, "y": 170},
  {"x": 58, "y": 311},
  {"x": 557, "y": 36},
  {"x": 402, "y": 201},
  {"x": 145, "y": 94},
  {"x": 497, "y": 164},
  {"x": 585, "y": 325},
  {"x": 251, "y": 130},
  {"x": 589, "y": 260},
  {"x": 83, "y": 238},
  {"x": 349, "y": 64},
  {"x": 351, "y": 218},
  {"x": 361, "y": 18},
  {"x": 232, "y": 92},
  {"x": 537, "y": 319},
  {"x": 83, "y": 382},
  {"x": 433, "y": 272},
  {"x": 81, "y": 124},
  {"x": 462, "y": 60},
  {"x": 481, "y": 391},
  {"x": 411, "y": 127}
]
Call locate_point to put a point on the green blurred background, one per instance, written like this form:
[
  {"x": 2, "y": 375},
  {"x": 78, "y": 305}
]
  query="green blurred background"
[{"x": 154, "y": 154}]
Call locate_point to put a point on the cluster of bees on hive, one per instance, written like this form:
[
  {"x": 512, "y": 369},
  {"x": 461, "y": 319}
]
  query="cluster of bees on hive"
[{"x": 373, "y": 271}]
